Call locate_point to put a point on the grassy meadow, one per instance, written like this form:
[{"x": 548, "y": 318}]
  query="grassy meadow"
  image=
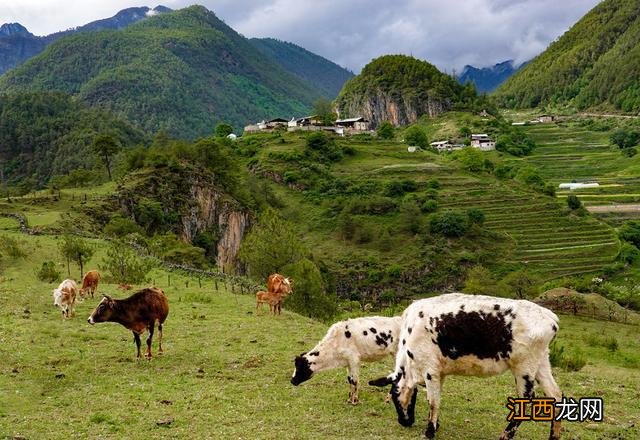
[{"x": 225, "y": 373}]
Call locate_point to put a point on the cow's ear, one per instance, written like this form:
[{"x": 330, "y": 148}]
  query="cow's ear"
[
  {"x": 381, "y": 382},
  {"x": 107, "y": 297}
]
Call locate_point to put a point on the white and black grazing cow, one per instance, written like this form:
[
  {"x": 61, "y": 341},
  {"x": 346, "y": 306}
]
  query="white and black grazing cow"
[
  {"x": 458, "y": 334},
  {"x": 346, "y": 344}
]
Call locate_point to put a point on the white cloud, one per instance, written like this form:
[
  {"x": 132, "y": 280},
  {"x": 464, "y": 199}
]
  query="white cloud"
[{"x": 447, "y": 33}]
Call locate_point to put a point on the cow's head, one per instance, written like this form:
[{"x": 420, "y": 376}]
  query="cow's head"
[
  {"x": 104, "y": 310},
  {"x": 288, "y": 283},
  {"x": 303, "y": 370},
  {"x": 403, "y": 396},
  {"x": 56, "y": 297}
]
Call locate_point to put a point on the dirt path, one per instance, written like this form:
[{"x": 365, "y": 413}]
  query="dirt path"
[
  {"x": 605, "y": 115},
  {"x": 627, "y": 207}
]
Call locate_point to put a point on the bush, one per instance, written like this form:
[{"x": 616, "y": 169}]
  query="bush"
[
  {"x": 471, "y": 159},
  {"x": 322, "y": 147},
  {"x": 186, "y": 255},
  {"x": 630, "y": 232},
  {"x": 397, "y": 188},
  {"x": 449, "y": 224},
  {"x": 629, "y": 254},
  {"x": 433, "y": 183},
  {"x": 120, "y": 226},
  {"x": 475, "y": 216},
  {"x": 385, "y": 242},
  {"x": 309, "y": 296},
  {"x": 11, "y": 247},
  {"x": 480, "y": 282},
  {"x": 625, "y": 138},
  {"x": 410, "y": 220},
  {"x": 223, "y": 129},
  {"x": 385, "y": 130},
  {"x": 149, "y": 213},
  {"x": 48, "y": 272},
  {"x": 429, "y": 206},
  {"x": 558, "y": 358},
  {"x": 573, "y": 202},
  {"x": 629, "y": 152},
  {"x": 363, "y": 234},
  {"x": 124, "y": 265},
  {"x": 416, "y": 136}
]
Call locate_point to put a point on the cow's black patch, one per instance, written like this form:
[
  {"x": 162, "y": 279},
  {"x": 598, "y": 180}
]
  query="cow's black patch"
[
  {"x": 406, "y": 416},
  {"x": 462, "y": 307},
  {"x": 404, "y": 341},
  {"x": 431, "y": 430},
  {"x": 421, "y": 314},
  {"x": 486, "y": 336},
  {"x": 351, "y": 381},
  {"x": 528, "y": 386},
  {"x": 314, "y": 353},
  {"x": 428, "y": 376},
  {"x": 554, "y": 327},
  {"x": 402, "y": 370},
  {"x": 409, "y": 330},
  {"x": 434, "y": 341},
  {"x": 496, "y": 307},
  {"x": 381, "y": 341},
  {"x": 365, "y": 333},
  {"x": 347, "y": 334},
  {"x": 409, "y": 354},
  {"x": 373, "y": 330},
  {"x": 303, "y": 370},
  {"x": 431, "y": 320},
  {"x": 510, "y": 430}
]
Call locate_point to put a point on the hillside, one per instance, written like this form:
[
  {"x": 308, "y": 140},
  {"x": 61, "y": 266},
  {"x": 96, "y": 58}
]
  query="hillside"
[
  {"x": 17, "y": 44},
  {"x": 594, "y": 64},
  {"x": 487, "y": 79},
  {"x": 400, "y": 89},
  {"x": 325, "y": 75},
  {"x": 44, "y": 134},
  {"x": 183, "y": 71}
]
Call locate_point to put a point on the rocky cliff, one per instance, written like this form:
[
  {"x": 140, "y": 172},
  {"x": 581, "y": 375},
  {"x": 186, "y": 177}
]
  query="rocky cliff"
[{"x": 399, "y": 89}]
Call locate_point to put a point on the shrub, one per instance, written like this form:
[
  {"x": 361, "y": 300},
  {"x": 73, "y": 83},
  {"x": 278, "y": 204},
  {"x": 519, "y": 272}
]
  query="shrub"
[
  {"x": 223, "y": 129},
  {"x": 573, "y": 202},
  {"x": 124, "y": 265},
  {"x": 480, "y": 281},
  {"x": 363, "y": 234},
  {"x": 48, "y": 272},
  {"x": 385, "y": 242},
  {"x": 433, "y": 183},
  {"x": 558, "y": 358},
  {"x": 625, "y": 138},
  {"x": 385, "y": 130},
  {"x": 416, "y": 136},
  {"x": 471, "y": 159},
  {"x": 629, "y": 254},
  {"x": 397, "y": 188},
  {"x": 320, "y": 145},
  {"x": 11, "y": 247},
  {"x": 410, "y": 220},
  {"x": 449, "y": 224},
  {"x": 309, "y": 296},
  {"x": 429, "y": 206},
  {"x": 629, "y": 152},
  {"x": 120, "y": 226},
  {"x": 186, "y": 255},
  {"x": 630, "y": 232},
  {"x": 475, "y": 216},
  {"x": 346, "y": 224},
  {"x": 149, "y": 213},
  {"x": 520, "y": 284}
]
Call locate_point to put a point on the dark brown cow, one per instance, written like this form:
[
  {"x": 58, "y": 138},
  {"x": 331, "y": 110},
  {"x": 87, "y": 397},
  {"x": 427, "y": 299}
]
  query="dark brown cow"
[
  {"x": 90, "y": 283},
  {"x": 138, "y": 313}
]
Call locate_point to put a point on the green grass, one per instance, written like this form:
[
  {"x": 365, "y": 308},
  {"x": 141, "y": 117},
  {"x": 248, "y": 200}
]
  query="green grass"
[{"x": 225, "y": 374}]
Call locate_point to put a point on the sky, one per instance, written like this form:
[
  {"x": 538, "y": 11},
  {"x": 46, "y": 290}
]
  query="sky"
[{"x": 447, "y": 33}]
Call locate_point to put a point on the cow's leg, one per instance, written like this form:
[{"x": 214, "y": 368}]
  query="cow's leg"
[
  {"x": 353, "y": 378},
  {"x": 149, "y": 339},
  {"x": 550, "y": 389},
  {"x": 257, "y": 306},
  {"x": 136, "y": 339},
  {"x": 433, "y": 383},
  {"x": 160, "y": 338},
  {"x": 524, "y": 388}
]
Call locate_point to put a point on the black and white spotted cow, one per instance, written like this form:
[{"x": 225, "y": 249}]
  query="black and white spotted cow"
[
  {"x": 458, "y": 334},
  {"x": 346, "y": 344}
]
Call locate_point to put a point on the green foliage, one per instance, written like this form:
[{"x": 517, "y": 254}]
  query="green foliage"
[
  {"x": 416, "y": 136},
  {"x": 160, "y": 72},
  {"x": 480, "y": 281},
  {"x": 450, "y": 224},
  {"x": 629, "y": 254},
  {"x": 223, "y": 129},
  {"x": 531, "y": 176},
  {"x": 476, "y": 216},
  {"x": 410, "y": 218},
  {"x": 514, "y": 141},
  {"x": 385, "y": 241},
  {"x": 397, "y": 188},
  {"x": 124, "y": 265},
  {"x": 150, "y": 215},
  {"x": 471, "y": 159},
  {"x": 106, "y": 146},
  {"x": 385, "y": 130},
  {"x": 593, "y": 63},
  {"x": 321, "y": 146},
  {"x": 271, "y": 245},
  {"x": 120, "y": 226},
  {"x": 11, "y": 247},
  {"x": 48, "y": 133},
  {"x": 48, "y": 272},
  {"x": 573, "y": 202},
  {"x": 520, "y": 284},
  {"x": 630, "y": 232},
  {"x": 625, "y": 138},
  {"x": 75, "y": 179},
  {"x": 309, "y": 296},
  {"x": 559, "y": 359},
  {"x": 429, "y": 206},
  {"x": 323, "y": 109},
  {"x": 76, "y": 249}
]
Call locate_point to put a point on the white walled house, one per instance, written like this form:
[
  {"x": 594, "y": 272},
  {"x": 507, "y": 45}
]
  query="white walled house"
[{"x": 483, "y": 142}]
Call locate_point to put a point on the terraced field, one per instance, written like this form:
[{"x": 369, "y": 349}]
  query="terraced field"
[{"x": 569, "y": 152}]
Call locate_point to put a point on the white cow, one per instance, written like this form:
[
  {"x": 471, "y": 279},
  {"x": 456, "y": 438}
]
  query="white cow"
[{"x": 65, "y": 297}]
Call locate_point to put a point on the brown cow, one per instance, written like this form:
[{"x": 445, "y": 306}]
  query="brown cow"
[
  {"x": 90, "y": 283},
  {"x": 138, "y": 313},
  {"x": 273, "y": 299},
  {"x": 280, "y": 285},
  {"x": 65, "y": 297}
]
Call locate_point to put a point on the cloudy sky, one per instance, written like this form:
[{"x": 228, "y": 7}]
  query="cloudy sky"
[{"x": 448, "y": 33}]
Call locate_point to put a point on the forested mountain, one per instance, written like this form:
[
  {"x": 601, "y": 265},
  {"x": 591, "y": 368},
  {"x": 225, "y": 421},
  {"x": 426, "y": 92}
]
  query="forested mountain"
[
  {"x": 487, "y": 79},
  {"x": 42, "y": 134},
  {"x": 594, "y": 64},
  {"x": 325, "y": 75},
  {"x": 400, "y": 89},
  {"x": 17, "y": 44},
  {"x": 183, "y": 71}
]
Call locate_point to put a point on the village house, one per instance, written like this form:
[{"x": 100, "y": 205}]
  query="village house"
[
  {"x": 445, "y": 146},
  {"x": 353, "y": 124},
  {"x": 579, "y": 185},
  {"x": 483, "y": 142},
  {"x": 545, "y": 119}
]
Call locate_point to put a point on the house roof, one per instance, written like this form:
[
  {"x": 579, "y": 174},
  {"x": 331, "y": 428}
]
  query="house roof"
[
  {"x": 277, "y": 120},
  {"x": 359, "y": 119},
  {"x": 439, "y": 143}
]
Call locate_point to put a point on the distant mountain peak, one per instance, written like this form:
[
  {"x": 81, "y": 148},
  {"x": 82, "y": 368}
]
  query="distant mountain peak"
[
  {"x": 488, "y": 79},
  {"x": 9, "y": 29}
]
